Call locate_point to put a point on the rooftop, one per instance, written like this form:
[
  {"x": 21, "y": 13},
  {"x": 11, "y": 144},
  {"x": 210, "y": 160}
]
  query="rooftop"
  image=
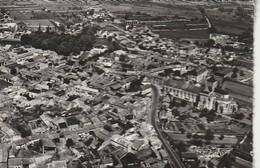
[
  {"x": 183, "y": 86},
  {"x": 41, "y": 22},
  {"x": 72, "y": 121}
]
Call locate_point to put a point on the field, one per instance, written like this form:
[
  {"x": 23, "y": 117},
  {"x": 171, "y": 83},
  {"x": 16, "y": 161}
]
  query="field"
[
  {"x": 179, "y": 8},
  {"x": 17, "y": 15},
  {"x": 55, "y": 5},
  {"x": 196, "y": 35}
]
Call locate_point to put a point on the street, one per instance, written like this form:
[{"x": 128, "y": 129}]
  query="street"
[{"x": 172, "y": 154}]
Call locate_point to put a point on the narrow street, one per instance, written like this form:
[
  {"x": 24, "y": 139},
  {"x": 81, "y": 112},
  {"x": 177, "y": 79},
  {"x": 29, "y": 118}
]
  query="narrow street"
[{"x": 175, "y": 160}]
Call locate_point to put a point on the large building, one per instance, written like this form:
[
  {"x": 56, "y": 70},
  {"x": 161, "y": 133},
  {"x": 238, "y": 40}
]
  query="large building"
[
  {"x": 182, "y": 90},
  {"x": 209, "y": 97},
  {"x": 35, "y": 25},
  {"x": 198, "y": 74}
]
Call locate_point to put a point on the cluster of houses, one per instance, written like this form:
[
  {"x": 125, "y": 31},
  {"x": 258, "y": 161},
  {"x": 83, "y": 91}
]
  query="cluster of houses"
[{"x": 93, "y": 109}]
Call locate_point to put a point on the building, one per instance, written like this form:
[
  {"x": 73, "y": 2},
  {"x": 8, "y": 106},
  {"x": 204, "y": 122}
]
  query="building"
[
  {"x": 72, "y": 123},
  {"x": 182, "y": 90},
  {"x": 3, "y": 155},
  {"x": 189, "y": 156},
  {"x": 222, "y": 73},
  {"x": 218, "y": 100},
  {"x": 198, "y": 74},
  {"x": 225, "y": 104},
  {"x": 207, "y": 100},
  {"x": 57, "y": 164},
  {"x": 35, "y": 25},
  {"x": 19, "y": 162},
  {"x": 11, "y": 133}
]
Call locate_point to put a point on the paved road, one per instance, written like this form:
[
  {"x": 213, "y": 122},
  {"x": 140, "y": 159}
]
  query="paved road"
[{"x": 177, "y": 163}]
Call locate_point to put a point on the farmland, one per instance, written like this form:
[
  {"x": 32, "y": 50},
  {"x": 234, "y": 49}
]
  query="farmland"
[{"x": 191, "y": 34}]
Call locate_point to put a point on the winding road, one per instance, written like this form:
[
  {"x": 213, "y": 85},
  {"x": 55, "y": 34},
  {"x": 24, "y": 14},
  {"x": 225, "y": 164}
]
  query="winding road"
[{"x": 175, "y": 160}]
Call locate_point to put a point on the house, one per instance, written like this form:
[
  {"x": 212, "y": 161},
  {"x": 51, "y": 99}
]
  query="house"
[
  {"x": 189, "y": 156},
  {"x": 106, "y": 162},
  {"x": 158, "y": 80},
  {"x": 3, "y": 155},
  {"x": 60, "y": 123},
  {"x": 80, "y": 89},
  {"x": 48, "y": 145},
  {"x": 33, "y": 93},
  {"x": 11, "y": 133},
  {"x": 5, "y": 100},
  {"x": 144, "y": 154},
  {"x": 72, "y": 123},
  {"x": 57, "y": 164},
  {"x": 20, "y": 162},
  {"x": 8, "y": 78}
]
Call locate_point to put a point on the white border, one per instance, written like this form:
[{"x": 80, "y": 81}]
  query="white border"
[{"x": 256, "y": 118}]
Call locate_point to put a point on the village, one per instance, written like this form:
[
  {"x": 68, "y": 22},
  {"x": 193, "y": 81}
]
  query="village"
[{"x": 64, "y": 107}]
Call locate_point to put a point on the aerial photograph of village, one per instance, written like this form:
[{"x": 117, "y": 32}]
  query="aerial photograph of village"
[{"x": 126, "y": 83}]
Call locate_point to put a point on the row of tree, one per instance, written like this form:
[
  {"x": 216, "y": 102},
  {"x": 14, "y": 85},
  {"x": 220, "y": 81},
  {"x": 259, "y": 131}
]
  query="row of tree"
[{"x": 63, "y": 44}]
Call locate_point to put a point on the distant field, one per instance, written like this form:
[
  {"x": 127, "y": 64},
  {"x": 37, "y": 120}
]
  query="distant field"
[
  {"x": 43, "y": 15},
  {"x": 152, "y": 8},
  {"x": 54, "y": 5},
  {"x": 17, "y": 15},
  {"x": 230, "y": 27},
  {"x": 198, "y": 34}
]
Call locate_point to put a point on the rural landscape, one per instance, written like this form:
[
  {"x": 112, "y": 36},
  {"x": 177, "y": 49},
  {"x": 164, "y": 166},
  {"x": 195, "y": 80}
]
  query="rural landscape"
[{"x": 126, "y": 83}]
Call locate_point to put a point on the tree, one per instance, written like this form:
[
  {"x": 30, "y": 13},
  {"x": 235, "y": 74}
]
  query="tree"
[
  {"x": 167, "y": 165},
  {"x": 69, "y": 143},
  {"x": 91, "y": 12},
  {"x": 109, "y": 38},
  {"x": 188, "y": 135},
  {"x": 13, "y": 71},
  {"x": 181, "y": 147},
  {"x": 241, "y": 73},
  {"x": 89, "y": 141},
  {"x": 221, "y": 137},
  {"x": 196, "y": 142},
  {"x": 209, "y": 135},
  {"x": 234, "y": 75},
  {"x": 39, "y": 28},
  {"x": 235, "y": 70},
  {"x": 209, "y": 43},
  {"x": 195, "y": 136},
  {"x": 108, "y": 128},
  {"x": 196, "y": 43},
  {"x": 183, "y": 103},
  {"x": 246, "y": 49},
  {"x": 239, "y": 116},
  {"x": 48, "y": 29},
  {"x": 3, "y": 11}
]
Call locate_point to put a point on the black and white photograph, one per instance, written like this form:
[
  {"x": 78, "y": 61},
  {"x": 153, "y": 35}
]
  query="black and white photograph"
[{"x": 128, "y": 84}]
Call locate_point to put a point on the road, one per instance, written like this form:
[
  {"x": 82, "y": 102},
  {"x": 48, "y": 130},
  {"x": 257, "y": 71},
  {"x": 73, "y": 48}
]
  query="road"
[{"x": 175, "y": 160}]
